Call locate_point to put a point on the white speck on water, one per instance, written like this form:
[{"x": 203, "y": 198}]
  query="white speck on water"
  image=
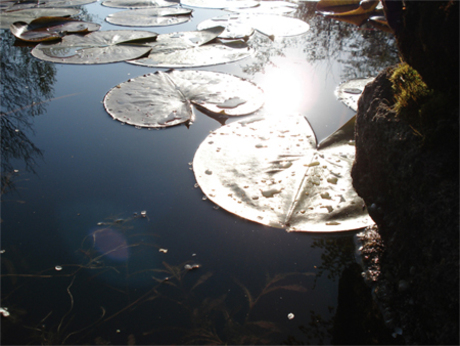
[
  {"x": 58, "y": 268},
  {"x": 290, "y": 316}
]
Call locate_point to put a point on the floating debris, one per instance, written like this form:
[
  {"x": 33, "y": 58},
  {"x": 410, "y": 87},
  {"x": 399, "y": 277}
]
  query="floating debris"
[
  {"x": 192, "y": 266},
  {"x": 290, "y": 316},
  {"x": 163, "y": 250},
  {"x": 58, "y": 268}
]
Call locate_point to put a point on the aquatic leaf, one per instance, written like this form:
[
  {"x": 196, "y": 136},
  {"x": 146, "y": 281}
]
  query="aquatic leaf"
[
  {"x": 268, "y": 7},
  {"x": 50, "y": 28},
  {"x": 269, "y": 170},
  {"x": 98, "y": 47},
  {"x": 220, "y": 4},
  {"x": 241, "y": 25},
  {"x": 138, "y": 3},
  {"x": 150, "y": 17},
  {"x": 236, "y": 26},
  {"x": 188, "y": 49},
  {"x": 346, "y": 7},
  {"x": 350, "y": 91},
  {"x": 164, "y": 99},
  {"x": 27, "y": 15}
]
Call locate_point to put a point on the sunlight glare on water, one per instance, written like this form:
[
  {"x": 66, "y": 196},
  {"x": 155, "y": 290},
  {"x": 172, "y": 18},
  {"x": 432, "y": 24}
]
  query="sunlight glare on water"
[{"x": 289, "y": 86}]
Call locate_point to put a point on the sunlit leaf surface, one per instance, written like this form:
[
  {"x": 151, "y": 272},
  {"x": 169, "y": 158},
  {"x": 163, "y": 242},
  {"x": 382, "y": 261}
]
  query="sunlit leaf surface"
[
  {"x": 50, "y": 28},
  {"x": 164, "y": 99},
  {"x": 138, "y": 3},
  {"x": 350, "y": 91},
  {"x": 219, "y": 4},
  {"x": 269, "y": 170},
  {"x": 28, "y": 15},
  {"x": 346, "y": 7},
  {"x": 150, "y": 17},
  {"x": 190, "y": 49},
  {"x": 241, "y": 26},
  {"x": 98, "y": 47},
  {"x": 268, "y": 7}
]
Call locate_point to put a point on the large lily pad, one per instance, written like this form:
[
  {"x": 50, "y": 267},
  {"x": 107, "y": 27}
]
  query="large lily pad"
[
  {"x": 27, "y": 15},
  {"x": 269, "y": 170},
  {"x": 98, "y": 47},
  {"x": 191, "y": 49},
  {"x": 138, "y": 3},
  {"x": 164, "y": 99},
  {"x": 150, "y": 17},
  {"x": 350, "y": 91},
  {"x": 240, "y": 25},
  {"x": 220, "y": 4},
  {"x": 50, "y": 28}
]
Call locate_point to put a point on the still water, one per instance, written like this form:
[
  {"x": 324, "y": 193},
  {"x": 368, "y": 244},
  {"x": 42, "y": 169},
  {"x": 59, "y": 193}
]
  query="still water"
[{"x": 76, "y": 184}]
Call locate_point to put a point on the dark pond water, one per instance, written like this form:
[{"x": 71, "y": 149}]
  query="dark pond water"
[{"x": 67, "y": 166}]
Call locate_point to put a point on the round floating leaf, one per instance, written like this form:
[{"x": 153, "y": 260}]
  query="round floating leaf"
[
  {"x": 27, "y": 15},
  {"x": 219, "y": 4},
  {"x": 150, "y": 17},
  {"x": 236, "y": 26},
  {"x": 268, "y": 170},
  {"x": 50, "y": 28},
  {"x": 349, "y": 92},
  {"x": 268, "y": 7},
  {"x": 239, "y": 26},
  {"x": 138, "y": 3},
  {"x": 187, "y": 49},
  {"x": 164, "y": 99},
  {"x": 99, "y": 47}
]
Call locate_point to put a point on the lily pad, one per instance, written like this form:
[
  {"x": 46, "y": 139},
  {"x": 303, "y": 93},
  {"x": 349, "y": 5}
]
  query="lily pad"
[
  {"x": 236, "y": 26},
  {"x": 350, "y": 91},
  {"x": 269, "y": 170},
  {"x": 220, "y": 4},
  {"x": 268, "y": 7},
  {"x": 191, "y": 49},
  {"x": 346, "y": 7},
  {"x": 150, "y": 17},
  {"x": 164, "y": 99},
  {"x": 98, "y": 47},
  {"x": 240, "y": 26},
  {"x": 50, "y": 28},
  {"x": 27, "y": 15},
  {"x": 138, "y": 3}
]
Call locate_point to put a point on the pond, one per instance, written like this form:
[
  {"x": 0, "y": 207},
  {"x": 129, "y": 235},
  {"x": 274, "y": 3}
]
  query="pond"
[{"x": 76, "y": 184}]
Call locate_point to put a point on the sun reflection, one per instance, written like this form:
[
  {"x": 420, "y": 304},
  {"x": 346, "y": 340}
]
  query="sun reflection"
[{"x": 289, "y": 87}]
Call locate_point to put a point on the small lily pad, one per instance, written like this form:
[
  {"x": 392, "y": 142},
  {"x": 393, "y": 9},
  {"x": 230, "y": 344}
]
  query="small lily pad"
[
  {"x": 220, "y": 4},
  {"x": 268, "y": 7},
  {"x": 241, "y": 25},
  {"x": 138, "y": 3},
  {"x": 27, "y": 15},
  {"x": 350, "y": 91},
  {"x": 269, "y": 170},
  {"x": 150, "y": 17},
  {"x": 98, "y": 47},
  {"x": 164, "y": 99},
  {"x": 50, "y": 28}
]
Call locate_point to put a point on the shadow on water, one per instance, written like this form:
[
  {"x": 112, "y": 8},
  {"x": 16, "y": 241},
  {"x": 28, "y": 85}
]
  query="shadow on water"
[{"x": 122, "y": 287}]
